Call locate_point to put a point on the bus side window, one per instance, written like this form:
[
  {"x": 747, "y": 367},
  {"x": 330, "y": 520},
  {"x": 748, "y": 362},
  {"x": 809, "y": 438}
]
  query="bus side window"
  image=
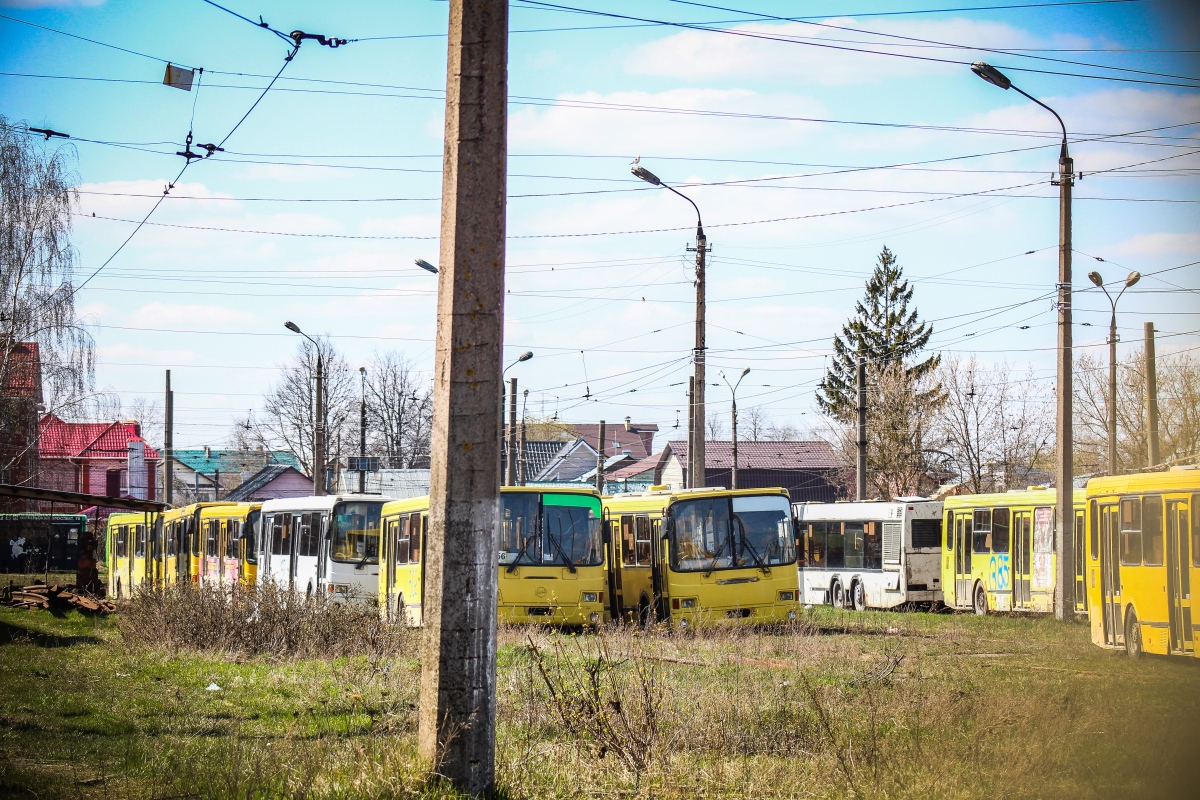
[
  {"x": 1000, "y": 530},
  {"x": 642, "y": 538},
  {"x": 279, "y": 534},
  {"x": 628, "y": 544},
  {"x": 981, "y": 540},
  {"x": 1094, "y": 535},
  {"x": 816, "y": 544},
  {"x": 235, "y": 536},
  {"x": 950, "y": 530},
  {"x": 403, "y": 540},
  {"x": 417, "y": 534},
  {"x": 1131, "y": 531},
  {"x": 1152, "y": 531},
  {"x": 140, "y": 541}
]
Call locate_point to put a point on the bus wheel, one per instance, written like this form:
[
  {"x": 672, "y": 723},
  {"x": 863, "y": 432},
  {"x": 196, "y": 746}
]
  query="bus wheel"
[
  {"x": 981, "y": 608},
  {"x": 644, "y": 612},
  {"x": 118, "y": 587},
  {"x": 400, "y": 618},
  {"x": 858, "y": 596},
  {"x": 837, "y": 595},
  {"x": 1133, "y": 636}
]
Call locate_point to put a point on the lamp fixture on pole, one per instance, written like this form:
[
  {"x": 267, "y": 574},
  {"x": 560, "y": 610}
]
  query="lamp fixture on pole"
[
  {"x": 733, "y": 483},
  {"x": 318, "y": 465},
  {"x": 1095, "y": 278}
]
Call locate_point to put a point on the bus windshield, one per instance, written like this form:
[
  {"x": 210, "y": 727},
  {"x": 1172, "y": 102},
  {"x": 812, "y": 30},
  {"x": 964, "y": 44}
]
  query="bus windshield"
[
  {"x": 718, "y": 533},
  {"x": 252, "y": 533},
  {"x": 355, "y": 532},
  {"x": 550, "y": 529}
]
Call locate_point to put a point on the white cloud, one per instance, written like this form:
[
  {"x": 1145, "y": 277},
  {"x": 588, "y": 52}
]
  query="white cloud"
[
  {"x": 1149, "y": 245},
  {"x": 580, "y": 130},
  {"x": 207, "y": 316},
  {"x": 823, "y": 55}
]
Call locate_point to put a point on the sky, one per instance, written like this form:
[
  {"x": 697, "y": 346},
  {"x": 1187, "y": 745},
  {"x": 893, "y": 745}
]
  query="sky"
[{"x": 807, "y": 145}]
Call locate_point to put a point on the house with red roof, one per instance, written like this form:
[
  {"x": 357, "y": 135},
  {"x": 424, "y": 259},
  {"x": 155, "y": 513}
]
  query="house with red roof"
[{"x": 106, "y": 458}]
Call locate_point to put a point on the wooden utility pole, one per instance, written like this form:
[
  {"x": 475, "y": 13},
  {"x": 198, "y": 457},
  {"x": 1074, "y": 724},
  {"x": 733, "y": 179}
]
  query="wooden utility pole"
[
  {"x": 169, "y": 444},
  {"x": 457, "y": 719},
  {"x": 860, "y": 479},
  {"x": 1151, "y": 397}
]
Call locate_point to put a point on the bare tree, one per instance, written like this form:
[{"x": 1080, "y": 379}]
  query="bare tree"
[
  {"x": 781, "y": 432},
  {"x": 399, "y": 411},
  {"x": 1178, "y": 404},
  {"x": 286, "y": 421},
  {"x": 714, "y": 426},
  {"x": 38, "y": 325},
  {"x": 992, "y": 431},
  {"x": 752, "y": 424}
]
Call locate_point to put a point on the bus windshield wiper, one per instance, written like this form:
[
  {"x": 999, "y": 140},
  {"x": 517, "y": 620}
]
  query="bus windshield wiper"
[
  {"x": 513, "y": 564},
  {"x": 559, "y": 548},
  {"x": 747, "y": 546},
  {"x": 716, "y": 557}
]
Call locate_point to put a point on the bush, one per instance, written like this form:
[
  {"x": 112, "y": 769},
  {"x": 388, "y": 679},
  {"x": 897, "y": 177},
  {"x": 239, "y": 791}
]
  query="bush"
[{"x": 257, "y": 620}]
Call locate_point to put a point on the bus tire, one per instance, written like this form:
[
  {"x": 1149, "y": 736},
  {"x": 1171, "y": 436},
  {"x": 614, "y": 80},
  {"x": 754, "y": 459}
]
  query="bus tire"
[
  {"x": 980, "y": 602},
  {"x": 118, "y": 587},
  {"x": 858, "y": 596},
  {"x": 645, "y": 612},
  {"x": 1133, "y": 636},
  {"x": 837, "y": 595},
  {"x": 400, "y": 616}
]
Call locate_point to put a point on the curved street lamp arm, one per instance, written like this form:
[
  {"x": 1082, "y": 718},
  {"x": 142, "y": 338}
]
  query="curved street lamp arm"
[
  {"x": 699, "y": 224},
  {"x": 1063, "y": 152}
]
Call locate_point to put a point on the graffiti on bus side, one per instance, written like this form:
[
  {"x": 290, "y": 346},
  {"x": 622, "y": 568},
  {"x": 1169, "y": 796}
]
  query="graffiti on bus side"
[{"x": 999, "y": 572}]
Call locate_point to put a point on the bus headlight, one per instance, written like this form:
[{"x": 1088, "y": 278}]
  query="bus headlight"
[
  {"x": 594, "y": 618},
  {"x": 787, "y": 597},
  {"x": 591, "y": 597},
  {"x": 687, "y": 602},
  {"x": 683, "y": 624},
  {"x": 791, "y": 616}
]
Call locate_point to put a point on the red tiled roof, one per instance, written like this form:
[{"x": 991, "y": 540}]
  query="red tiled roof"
[
  {"x": 648, "y": 464},
  {"x": 60, "y": 439},
  {"x": 764, "y": 455},
  {"x": 24, "y": 375},
  {"x": 639, "y": 440}
]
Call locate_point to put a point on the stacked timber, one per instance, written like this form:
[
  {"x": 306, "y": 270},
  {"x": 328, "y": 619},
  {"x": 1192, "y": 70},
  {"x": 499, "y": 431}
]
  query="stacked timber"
[{"x": 39, "y": 595}]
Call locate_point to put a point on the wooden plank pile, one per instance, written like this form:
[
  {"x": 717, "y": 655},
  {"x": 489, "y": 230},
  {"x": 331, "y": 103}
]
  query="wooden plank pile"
[{"x": 61, "y": 598}]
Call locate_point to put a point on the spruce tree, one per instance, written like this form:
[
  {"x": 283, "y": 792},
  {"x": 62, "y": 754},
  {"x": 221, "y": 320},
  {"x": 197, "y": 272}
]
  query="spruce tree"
[{"x": 885, "y": 331}]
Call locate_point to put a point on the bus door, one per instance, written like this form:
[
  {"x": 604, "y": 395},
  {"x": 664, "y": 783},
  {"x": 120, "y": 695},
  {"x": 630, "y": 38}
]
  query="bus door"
[
  {"x": 1022, "y": 558},
  {"x": 1110, "y": 574},
  {"x": 611, "y": 545},
  {"x": 658, "y": 567},
  {"x": 1080, "y": 582},
  {"x": 1179, "y": 589},
  {"x": 963, "y": 528}
]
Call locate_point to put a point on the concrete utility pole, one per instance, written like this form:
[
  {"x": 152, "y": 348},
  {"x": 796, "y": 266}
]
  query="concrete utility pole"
[
  {"x": 362, "y": 434},
  {"x": 1151, "y": 397},
  {"x": 690, "y": 483},
  {"x": 319, "y": 430},
  {"x": 1064, "y": 584},
  {"x": 169, "y": 444},
  {"x": 860, "y": 478},
  {"x": 1095, "y": 278},
  {"x": 733, "y": 387},
  {"x": 510, "y": 472},
  {"x": 457, "y": 719},
  {"x": 600, "y": 448}
]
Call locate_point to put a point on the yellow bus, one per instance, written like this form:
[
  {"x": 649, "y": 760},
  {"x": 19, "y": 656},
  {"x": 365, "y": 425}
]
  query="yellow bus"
[
  {"x": 229, "y": 544},
  {"x": 182, "y": 542},
  {"x": 1143, "y": 558},
  {"x": 999, "y": 552},
  {"x": 130, "y": 552},
  {"x": 698, "y": 556},
  {"x": 552, "y": 567}
]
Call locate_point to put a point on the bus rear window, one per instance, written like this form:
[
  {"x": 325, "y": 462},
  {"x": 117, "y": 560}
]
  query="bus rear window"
[{"x": 355, "y": 535}]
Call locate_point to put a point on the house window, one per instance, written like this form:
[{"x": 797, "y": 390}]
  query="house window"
[{"x": 112, "y": 483}]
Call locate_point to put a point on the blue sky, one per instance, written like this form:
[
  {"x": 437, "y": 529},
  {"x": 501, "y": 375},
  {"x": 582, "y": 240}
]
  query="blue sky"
[{"x": 209, "y": 301}]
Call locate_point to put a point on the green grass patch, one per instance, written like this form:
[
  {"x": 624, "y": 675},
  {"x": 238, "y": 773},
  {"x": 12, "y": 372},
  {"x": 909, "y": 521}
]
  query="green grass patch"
[{"x": 875, "y": 705}]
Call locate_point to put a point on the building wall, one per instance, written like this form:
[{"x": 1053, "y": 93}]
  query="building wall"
[
  {"x": 673, "y": 473},
  {"x": 289, "y": 484}
]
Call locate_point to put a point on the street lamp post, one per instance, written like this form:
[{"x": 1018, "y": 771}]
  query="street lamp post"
[
  {"x": 318, "y": 417},
  {"x": 696, "y": 478},
  {"x": 1095, "y": 278},
  {"x": 510, "y": 465},
  {"x": 733, "y": 394},
  {"x": 1064, "y": 586}
]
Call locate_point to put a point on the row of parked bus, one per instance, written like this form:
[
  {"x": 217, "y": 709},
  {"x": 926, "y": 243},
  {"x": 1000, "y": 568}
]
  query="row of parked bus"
[{"x": 568, "y": 556}]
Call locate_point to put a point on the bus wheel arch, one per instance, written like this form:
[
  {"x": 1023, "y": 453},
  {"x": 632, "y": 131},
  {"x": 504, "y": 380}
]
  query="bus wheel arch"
[
  {"x": 979, "y": 603},
  {"x": 1133, "y": 634},
  {"x": 858, "y": 595}
]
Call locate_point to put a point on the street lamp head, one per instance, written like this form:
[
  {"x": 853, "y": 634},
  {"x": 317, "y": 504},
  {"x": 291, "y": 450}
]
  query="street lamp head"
[
  {"x": 425, "y": 265},
  {"x": 362, "y": 371},
  {"x": 1133, "y": 278},
  {"x": 528, "y": 354},
  {"x": 745, "y": 372},
  {"x": 645, "y": 174},
  {"x": 1095, "y": 278},
  {"x": 991, "y": 74},
  {"x": 293, "y": 327}
]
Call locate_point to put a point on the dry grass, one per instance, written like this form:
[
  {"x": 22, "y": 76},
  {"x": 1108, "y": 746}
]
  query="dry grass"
[{"x": 839, "y": 705}]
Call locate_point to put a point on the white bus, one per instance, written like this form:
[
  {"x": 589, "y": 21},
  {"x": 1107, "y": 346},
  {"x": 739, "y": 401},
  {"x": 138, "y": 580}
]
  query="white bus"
[
  {"x": 322, "y": 545},
  {"x": 870, "y": 555}
]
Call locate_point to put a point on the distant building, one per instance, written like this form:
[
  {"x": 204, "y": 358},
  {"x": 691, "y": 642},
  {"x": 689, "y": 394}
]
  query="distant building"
[
  {"x": 272, "y": 483},
  {"x": 104, "y": 458},
  {"x": 395, "y": 484},
  {"x": 208, "y": 474},
  {"x": 809, "y": 470},
  {"x": 641, "y": 474}
]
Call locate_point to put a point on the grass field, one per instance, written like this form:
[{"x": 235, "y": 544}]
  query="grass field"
[{"x": 843, "y": 705}]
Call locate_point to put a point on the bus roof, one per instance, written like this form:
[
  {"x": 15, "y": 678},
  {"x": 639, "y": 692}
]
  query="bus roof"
[
  {"x": 661, "y": 498},
  {"x": 1033, "y": 496},
  {"x": 322, "y": 503},
  {"x": 1178, "y": 479},
  {"x": 871, "y": 510}
]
